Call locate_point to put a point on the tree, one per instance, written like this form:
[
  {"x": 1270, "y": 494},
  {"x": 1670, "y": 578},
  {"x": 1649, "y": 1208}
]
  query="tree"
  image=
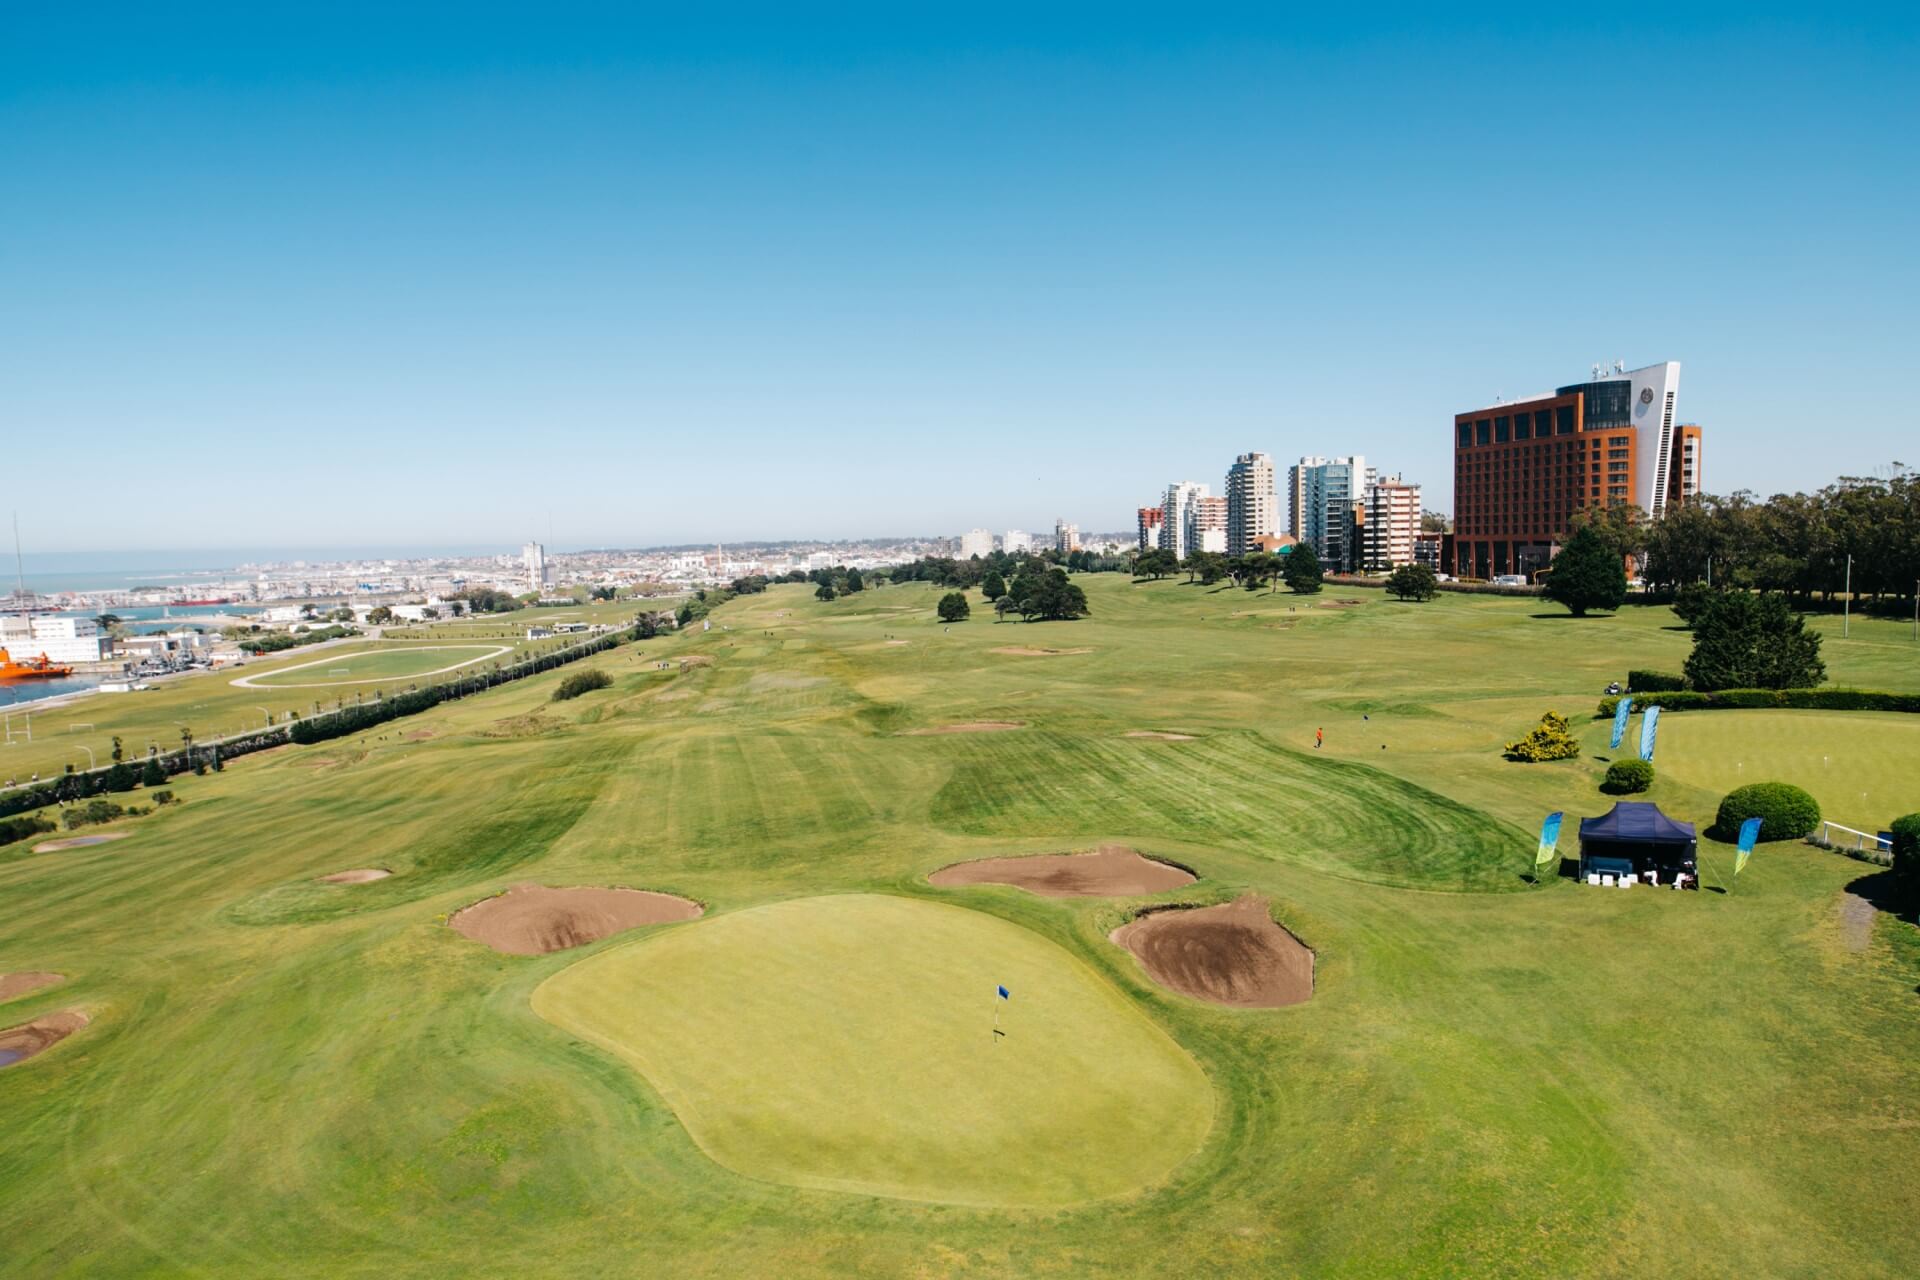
[
  {"x": 1587, "y": 574},
  {"x": 854, "y": 582},
  {"x": 1748, "y": 640},
  {"x": 953, "y": 607},
  {"x": 1054, "y": 599},
  {"x": 824, "y": 591},
  {"x": 993, "y": 586},
  {"x": 1412, "y": 582},
  {"x": 380, "y": 615},
  {"x": 1302, "y": 570},
  {"x": 153, "y": 775}
]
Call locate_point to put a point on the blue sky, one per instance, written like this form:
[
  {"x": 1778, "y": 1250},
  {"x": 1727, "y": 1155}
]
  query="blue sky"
[{"x": 359, "y": 275}]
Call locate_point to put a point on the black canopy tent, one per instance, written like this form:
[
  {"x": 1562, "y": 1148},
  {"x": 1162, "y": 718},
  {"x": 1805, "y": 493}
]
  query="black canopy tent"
[{"x": 1634, "y": 837}]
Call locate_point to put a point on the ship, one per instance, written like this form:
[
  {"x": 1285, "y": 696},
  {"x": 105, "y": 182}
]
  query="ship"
[{"x": 33, "y": 669}]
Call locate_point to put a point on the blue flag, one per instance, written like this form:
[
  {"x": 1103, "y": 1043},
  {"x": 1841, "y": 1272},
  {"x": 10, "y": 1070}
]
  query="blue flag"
[
  {"x": 1749, "y": 833},
  {"x": 1620, "y": 714},
  {"x": 1549, "y": 837},
  {"x": 1649, "y": 726},
  {"x": 1005, "y": 994}
]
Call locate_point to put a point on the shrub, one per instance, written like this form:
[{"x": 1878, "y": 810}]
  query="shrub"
[
  {"x": 1302, "y": 569},
  {"x": 1628, "y": 777},
  {"x": 1906, "y": 848},
  {"x": 581, "y": 682},
  {"x": 1785, "y": 812},
  {"x": 1551, "y": 740},
  {"x": 154, "y": 774},
  {"x": 12, "y": 829},
  {"x": 163, "y": 797},
  {"x": 1654, "y": 682},
  {"x": 953, "y": 607}
]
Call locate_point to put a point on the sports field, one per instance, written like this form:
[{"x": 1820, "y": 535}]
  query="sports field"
[
  {"x": 375, "y": 663},
  {"x": 300, "y": 1079}
]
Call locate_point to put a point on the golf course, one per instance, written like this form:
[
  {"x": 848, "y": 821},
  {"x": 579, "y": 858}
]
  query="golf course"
[{"x": 762, "y": 1026}]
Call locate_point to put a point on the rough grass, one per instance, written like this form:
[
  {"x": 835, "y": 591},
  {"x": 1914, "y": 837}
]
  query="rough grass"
[{"x": 1551, "y": 1082}]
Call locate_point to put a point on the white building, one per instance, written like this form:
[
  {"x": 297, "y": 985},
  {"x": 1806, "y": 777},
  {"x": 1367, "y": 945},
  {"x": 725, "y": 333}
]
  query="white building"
[
  {"x": 61, "y": 639},
  {"x": 1209, "y": 530},
  {"x": 1252, "y": 505},
  {"x": 1066, "y": 536},
  {"x": 1393, "y": 524},
  {"x": 976, "y": 542},
  {"x": 533, "y": 557},
  {"x": 820, "y": 560},
  {"x": 1176, "y": 518},
  {"x": 1018, "y": 542}
]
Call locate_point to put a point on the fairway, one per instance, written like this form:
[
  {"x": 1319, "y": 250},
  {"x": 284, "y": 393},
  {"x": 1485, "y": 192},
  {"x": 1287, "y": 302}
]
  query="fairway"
[
  {"x": 293, "y": 1078},
  {"x": 1859, "y": 765},
  {"x": 849, "y": 1043},
  {"x": 375, "y": 665}
]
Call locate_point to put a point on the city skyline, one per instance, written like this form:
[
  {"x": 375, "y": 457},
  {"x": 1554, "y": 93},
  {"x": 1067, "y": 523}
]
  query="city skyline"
[{"x": 583, "y": 268}]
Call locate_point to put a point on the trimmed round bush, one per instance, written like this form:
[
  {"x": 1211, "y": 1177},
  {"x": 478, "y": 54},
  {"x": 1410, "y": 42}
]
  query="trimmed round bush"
[
  {"x": 1785, "y": 812},
  {"x": 1628, "y": 777},
  {"x": 1906, "y": 847}
]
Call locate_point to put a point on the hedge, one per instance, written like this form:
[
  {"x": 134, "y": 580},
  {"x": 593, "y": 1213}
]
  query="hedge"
[
  {"x": 1764, "y": 699},
  {"x": 1654, "y": 682},
  {"x": 1785, "y": 812},
  {"x": 1906, "y": 846}
]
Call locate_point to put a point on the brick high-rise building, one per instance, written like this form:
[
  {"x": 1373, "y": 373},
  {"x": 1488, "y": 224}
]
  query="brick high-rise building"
[
  {"x": 1150, "y": 518},
  {"x": 1522, "y": 468},
  {"x": 1251, "y": 502}
]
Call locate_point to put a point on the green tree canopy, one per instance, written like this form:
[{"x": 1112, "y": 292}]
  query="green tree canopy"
[
  {"x": 1412, "y": 582},
  {"x": 1749, "y": 640},
  {"x": 1302, "y": 569},
  {"x": 953, "y": 607},
  {"x": 993, "y": 586},
  {"x": 1587, "y": 574}
]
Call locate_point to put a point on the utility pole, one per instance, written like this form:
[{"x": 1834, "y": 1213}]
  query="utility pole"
[{"x": 1846, "y": 604}]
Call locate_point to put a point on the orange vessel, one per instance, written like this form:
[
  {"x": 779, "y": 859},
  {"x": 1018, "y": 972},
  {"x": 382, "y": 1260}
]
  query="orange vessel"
[{"x": 40, "y": 669}]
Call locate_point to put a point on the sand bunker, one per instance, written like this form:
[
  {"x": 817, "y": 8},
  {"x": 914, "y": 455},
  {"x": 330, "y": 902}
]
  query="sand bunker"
[
  {"x": 1159, "y": 735},
  {"x": 18, "y": 984},
  {"x": 1232, "y": 954},
  {"x": 532, "y": 920},
  {"x": 1111, "y": 871},
  {"x": 362, "y": 875},
  {"x": 971, "y": 726},
  {"x": 78, "y": 842},
  {"x": 17, "y": 1044},
  {"x": 1022, "y": 651}
]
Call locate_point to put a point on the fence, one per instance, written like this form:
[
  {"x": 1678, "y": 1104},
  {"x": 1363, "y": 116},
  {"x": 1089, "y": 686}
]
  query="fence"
[{"x": 1861, "y": 844}]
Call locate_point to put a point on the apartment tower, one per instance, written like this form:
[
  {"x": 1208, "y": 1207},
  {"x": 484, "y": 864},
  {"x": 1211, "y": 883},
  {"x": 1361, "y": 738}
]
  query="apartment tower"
[{"x": 1251, "y": 502}]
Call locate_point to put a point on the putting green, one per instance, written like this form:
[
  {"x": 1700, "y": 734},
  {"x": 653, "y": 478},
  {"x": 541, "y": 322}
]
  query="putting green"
[
  {"x": 361, "y": 666},
  {"x": 1858, "y": 765},
  {"x": 847, "y": 1043}
]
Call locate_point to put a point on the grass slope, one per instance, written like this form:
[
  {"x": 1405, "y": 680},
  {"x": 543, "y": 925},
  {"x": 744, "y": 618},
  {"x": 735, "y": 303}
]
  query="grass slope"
[
  {"x": 849, "y": 1043},
  {"x": 300, "y": 1080}
]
